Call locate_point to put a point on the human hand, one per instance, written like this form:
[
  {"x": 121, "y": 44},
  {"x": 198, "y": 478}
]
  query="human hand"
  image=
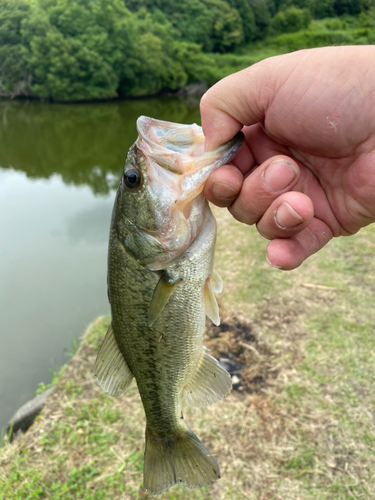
[{"x": 306, "y": 172}]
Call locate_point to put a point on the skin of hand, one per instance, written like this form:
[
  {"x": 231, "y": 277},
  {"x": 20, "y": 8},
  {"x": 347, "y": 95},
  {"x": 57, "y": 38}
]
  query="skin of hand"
[{"x": 306, "y": 171}]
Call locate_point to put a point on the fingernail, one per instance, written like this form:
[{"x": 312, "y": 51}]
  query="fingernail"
[
  {"x": 279, "y": 174},
  {"x": 286, "y": 217},
  {"x": 223, "y": 192}
]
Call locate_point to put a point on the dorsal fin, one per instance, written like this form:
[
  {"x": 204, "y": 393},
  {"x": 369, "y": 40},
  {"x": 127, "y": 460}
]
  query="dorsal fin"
[
  {"x": 111, "y": 370},
  {"x": 209, "y": 384}
]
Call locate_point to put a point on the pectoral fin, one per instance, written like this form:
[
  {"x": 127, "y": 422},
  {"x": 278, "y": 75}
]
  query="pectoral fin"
[
  {"x": 162, "y": 293},
  {"x": 210, "y": 303},
  {"x": 216, "y": 282},
  {"x": 209, "y": 384},
  {"x": 111, "y": 370}
]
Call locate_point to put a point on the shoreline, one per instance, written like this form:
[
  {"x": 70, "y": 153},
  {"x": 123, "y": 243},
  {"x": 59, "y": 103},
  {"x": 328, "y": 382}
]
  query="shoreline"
[{"x": 190, "y": 91}]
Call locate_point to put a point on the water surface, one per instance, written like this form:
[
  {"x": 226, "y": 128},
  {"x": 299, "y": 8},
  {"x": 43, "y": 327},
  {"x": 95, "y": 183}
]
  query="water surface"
[{"x": 59, "y": 168}]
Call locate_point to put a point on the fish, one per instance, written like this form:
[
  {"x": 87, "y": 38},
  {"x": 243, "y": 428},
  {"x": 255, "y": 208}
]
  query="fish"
[{"x": 161, "y": 286}]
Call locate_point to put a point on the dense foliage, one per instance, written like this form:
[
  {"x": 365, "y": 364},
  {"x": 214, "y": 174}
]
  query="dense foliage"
[{"x": 99, "y": 49}]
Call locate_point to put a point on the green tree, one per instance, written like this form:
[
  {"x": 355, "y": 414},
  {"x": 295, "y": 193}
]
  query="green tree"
[
  {"x": 213, "y": 24},
  {"x": 199, "y": 67},
  {"x": 149, "y": 65},
  {"x": 323, "y": 8},
  {"x": 262, "y": 17},
  {"x": 352, "y": 7},
  {"x": 290, "y": 20},
  {"x": 300, "y": 4},
  {"x": 15, "y": 76},
  {"x": 150, "y": 69},
  {"x": 367, "y": 20},
  {"x": 247, "y": 18},
  {"x": 76, "y": 47},
  {"x": 66, "y": 69}
]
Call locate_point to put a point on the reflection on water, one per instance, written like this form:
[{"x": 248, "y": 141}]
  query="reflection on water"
[
  {"x": 90, "y": 226},
  {"x": 59, "y": 165},
  {"x": 85, "y": 143}
]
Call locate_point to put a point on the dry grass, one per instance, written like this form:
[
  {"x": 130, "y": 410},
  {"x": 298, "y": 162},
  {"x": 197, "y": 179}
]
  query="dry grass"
[{"x": 299, "y": 425}]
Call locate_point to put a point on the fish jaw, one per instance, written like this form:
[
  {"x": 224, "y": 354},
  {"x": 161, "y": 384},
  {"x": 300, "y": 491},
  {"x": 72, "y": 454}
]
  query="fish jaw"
[
  {"x": 180, "y": 149},
  {"x": 177, "y": 168}
]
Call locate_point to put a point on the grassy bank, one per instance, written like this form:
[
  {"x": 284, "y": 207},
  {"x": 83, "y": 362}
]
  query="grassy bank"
[{"x": 300, "y": 425}]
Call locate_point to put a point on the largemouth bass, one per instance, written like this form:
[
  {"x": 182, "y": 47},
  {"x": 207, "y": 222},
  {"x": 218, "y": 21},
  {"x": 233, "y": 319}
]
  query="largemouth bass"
[{"x": 161, "y": 286}]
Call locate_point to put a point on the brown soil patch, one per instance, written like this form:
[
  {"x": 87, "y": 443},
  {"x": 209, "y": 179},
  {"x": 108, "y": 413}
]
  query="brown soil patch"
[{"x": 240, "y": 344}]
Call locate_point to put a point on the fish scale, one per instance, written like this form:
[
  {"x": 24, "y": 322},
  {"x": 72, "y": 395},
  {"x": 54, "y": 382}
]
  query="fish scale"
[{"x": 161, "y": 286}]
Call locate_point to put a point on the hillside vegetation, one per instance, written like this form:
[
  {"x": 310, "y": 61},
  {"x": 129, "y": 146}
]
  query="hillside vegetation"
[{"x": 71, "y": 50}]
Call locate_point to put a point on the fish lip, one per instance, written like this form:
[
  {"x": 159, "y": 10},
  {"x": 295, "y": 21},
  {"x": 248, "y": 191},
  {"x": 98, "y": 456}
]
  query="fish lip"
[
  {"x": 145, "y": 125},
  {"x": 174, "y": 158},
  {"x": 166, "y": 157}
]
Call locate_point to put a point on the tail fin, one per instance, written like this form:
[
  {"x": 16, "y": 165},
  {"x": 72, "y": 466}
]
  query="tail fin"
[{"x": 179, "y": 459}]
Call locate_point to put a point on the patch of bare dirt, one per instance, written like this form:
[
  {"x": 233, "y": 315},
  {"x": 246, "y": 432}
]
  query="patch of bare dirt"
[{"x": 241, "y": 346}]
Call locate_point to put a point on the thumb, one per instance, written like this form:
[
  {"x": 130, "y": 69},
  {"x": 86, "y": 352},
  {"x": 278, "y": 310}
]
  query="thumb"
[{"x": 237, "y": 100}]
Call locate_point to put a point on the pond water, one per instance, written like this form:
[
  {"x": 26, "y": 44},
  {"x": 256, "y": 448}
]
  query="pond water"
[{"x": 59, "y": 169}]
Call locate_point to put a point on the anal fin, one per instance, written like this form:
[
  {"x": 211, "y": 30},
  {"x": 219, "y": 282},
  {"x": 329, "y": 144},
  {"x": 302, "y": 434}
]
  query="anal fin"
[
  {"x": 111, "y": 370},
  {"x": 209, "y": 384}
]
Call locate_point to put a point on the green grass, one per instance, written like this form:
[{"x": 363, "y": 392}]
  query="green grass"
[
  {"x": 56, "y": 376},
  {"x": 29, "y": 484},
  {"x": 307, "y": 431}
]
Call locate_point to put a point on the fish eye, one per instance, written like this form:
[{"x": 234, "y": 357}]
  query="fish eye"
[{"x": 132, "y": 178}]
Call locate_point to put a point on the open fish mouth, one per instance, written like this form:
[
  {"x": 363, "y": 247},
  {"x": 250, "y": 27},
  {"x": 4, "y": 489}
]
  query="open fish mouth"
[
  {"x": 175, "y": 167},
  {"x": 180, "y": 150},
  {"x": 172, "y": 145}
]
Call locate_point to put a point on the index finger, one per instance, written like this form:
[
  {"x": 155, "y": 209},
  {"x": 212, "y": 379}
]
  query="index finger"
[{"x": 237, "y": 100}]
